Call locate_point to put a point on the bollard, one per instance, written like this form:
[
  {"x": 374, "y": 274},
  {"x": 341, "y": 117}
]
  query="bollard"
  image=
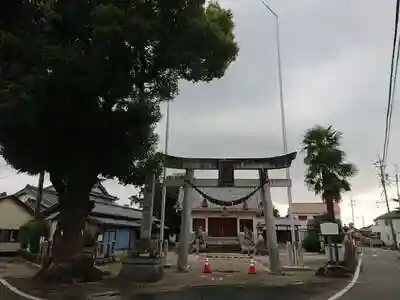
[
  {"x": 300, "y": 255},
  {"x": 290, "y": 253},
  {"x": 197, "y": 246}
]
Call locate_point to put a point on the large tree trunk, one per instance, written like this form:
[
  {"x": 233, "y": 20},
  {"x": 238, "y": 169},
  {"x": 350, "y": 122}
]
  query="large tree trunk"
[
  {"x": 68, "y": 262},
  {"x": 330, "y": 209}
]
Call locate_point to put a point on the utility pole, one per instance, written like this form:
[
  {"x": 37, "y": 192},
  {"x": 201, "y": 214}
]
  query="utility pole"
[
  {"x": 382, "y": 177},
  {"x": 352, "y": 203},
  {"x": 396, "y": 168},
  {"x": 38, "y": 204},
  {"x": 164, "y": 187}
]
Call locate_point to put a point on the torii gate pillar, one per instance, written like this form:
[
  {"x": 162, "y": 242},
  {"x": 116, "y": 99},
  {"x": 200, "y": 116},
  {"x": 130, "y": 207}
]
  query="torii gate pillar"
[
  {"x": 226, "y": 167},
  {"x": 184, "y": 236}
]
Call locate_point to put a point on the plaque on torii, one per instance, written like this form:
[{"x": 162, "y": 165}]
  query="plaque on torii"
[{"x": 226, "y": 178}]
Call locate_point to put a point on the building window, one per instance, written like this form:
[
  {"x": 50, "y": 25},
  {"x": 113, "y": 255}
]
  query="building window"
[
  {"x": 8, "y": 236},
  {"x": 303, "y": 218},
  {"x": 387, "y": 222},
  {"x": 197, "y": 222}
]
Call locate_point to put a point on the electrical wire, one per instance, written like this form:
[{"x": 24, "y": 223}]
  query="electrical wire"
[{"x": 392, "y": 83}]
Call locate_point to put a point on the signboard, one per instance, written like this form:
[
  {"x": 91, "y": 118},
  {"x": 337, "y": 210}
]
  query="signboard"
[{"x": 329, "y": 228}]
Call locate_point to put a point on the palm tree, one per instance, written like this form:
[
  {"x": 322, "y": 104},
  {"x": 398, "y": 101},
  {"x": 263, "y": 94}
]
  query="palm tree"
[{"x": 327, "y": 172}]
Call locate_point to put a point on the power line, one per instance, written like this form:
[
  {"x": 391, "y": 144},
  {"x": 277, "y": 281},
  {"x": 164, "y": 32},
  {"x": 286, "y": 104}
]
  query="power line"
[{"x": 393, "y": 72}]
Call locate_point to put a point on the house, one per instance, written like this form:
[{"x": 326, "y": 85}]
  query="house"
[
  {"x": 13, "y": 214},
  {"x": 283, "y": 229},
  {"x": 306, "y": 211},
  {"x": 118, "y": 227},
  {"x": 383, "y": 229}
]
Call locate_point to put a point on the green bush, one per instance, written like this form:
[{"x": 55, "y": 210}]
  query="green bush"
[
  {"x": 31, "y": 232},
  {"x": 145, "y": 247},
  {"x": 311, "y": 243},
  {"x": 89, "y": 239}
]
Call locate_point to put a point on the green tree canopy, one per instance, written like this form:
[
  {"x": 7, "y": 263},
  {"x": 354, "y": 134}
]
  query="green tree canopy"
[
  {"x": 81, "y": 82},
  {"x": 328, "y": 173}
]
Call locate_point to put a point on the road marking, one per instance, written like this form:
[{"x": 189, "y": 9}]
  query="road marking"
[
  {"x": 17, "y": 291},
  {"x": 351, "y": 283}
]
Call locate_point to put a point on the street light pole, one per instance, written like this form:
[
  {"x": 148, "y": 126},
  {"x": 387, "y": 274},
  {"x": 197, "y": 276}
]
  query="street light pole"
[
  {"x": 164, "y": 187},
  {"x": 283, "y": 121}
]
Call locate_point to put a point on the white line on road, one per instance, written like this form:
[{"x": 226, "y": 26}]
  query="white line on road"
[
  {"x": 17, "y": 291},
  {"x": 351, "y": 283}
]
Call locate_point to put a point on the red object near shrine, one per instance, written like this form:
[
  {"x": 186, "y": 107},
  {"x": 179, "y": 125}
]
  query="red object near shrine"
[
  {"x": 252, "y": 267},
  {"x": 207, "y": 267}
]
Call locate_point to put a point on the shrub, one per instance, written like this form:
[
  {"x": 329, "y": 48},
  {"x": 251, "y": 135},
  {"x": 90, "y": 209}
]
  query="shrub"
[
  {"x": 89, "y": 239},
  {"x": 32, "y": 257},
  {"x": 31, "y": 232},
  {"x": 145, "y": 247},
  {"x": 311, "y": 243}
]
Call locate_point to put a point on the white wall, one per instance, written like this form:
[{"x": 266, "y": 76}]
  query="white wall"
[
  {"x": 384, "y": 229},
  {"x": 12, "y": 215},
  {"x": 9, "y": 247}
]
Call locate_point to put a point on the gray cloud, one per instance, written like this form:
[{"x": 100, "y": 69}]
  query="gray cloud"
[{"x": 336, "y": 57}]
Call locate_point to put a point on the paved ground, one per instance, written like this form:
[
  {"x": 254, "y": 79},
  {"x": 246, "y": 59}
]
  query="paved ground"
[
  {"x": 229, "y": 280},
  {"x": 8, "y": 266},
  {"x": 379, "y": 277}
]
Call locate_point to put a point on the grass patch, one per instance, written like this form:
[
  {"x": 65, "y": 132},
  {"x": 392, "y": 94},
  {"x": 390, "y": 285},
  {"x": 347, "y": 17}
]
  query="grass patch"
[{"x": 113, "y": 268}]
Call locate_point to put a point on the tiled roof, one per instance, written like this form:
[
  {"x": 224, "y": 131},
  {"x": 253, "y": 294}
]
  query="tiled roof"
[
  {"x": 50, "y": 197},
  {"x": 116, "y": 222},
  {"x": 389, "y": 216},
  {"x": 102, "y": 208},
  {"x": 111, "y": 211}
]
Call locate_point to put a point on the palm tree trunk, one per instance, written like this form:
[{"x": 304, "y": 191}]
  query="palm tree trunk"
[
  {"x": 39, "y": 196},
  {"x": 330, "y": 209}
]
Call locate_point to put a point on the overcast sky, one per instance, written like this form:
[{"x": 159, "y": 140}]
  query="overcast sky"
[{"x": 336, "y": 58}]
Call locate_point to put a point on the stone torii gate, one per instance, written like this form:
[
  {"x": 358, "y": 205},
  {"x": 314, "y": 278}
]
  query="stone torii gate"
[{"x": 226, "y": 168}]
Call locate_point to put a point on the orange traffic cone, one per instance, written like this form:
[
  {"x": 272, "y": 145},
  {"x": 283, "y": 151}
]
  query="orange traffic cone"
[
  {"x": 252, "y": 267},
  {"x": 207, "y": 268}
]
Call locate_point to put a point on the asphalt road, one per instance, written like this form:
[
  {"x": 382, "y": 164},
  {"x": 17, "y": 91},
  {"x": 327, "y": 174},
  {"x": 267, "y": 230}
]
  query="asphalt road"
[
  {"x": 379, "y": 277},
  {"x": 6, "y": 294},
  {"x": 291, "y": 292}
]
